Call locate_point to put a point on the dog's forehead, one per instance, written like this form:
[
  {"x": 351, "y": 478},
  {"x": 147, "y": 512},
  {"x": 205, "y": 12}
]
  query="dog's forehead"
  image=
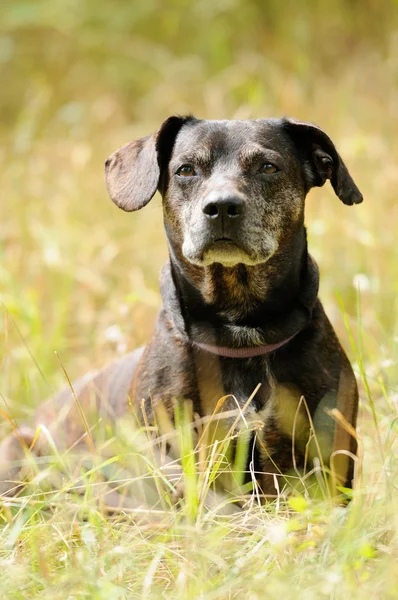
[{"x": 228, "y": 137}]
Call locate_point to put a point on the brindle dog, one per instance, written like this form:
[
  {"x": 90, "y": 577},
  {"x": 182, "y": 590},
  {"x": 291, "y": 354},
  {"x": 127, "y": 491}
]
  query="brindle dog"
[{"x": 240, "y": 294}]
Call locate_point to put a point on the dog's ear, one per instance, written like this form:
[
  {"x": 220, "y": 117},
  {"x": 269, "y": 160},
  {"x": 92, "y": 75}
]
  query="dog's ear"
[
  {"x": 321, "y": 160},
  {"x": 132, "y": 173}
]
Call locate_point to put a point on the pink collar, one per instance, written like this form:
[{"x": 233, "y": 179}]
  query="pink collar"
[{"x": 242, "y": 352}]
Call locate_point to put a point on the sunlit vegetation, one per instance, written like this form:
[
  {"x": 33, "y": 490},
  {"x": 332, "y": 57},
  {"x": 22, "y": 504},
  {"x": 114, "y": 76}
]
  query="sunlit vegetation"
[{"x": 79, "y": 277}]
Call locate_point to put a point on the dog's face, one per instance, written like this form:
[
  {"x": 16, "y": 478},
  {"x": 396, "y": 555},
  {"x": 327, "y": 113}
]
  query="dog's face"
[
  {"x": 234, "y": 188},
  {"x": 233, "y": 191}
]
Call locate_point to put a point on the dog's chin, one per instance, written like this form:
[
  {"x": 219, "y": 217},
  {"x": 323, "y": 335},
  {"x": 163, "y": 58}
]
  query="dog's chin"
[{"x": 223, "y": 252}]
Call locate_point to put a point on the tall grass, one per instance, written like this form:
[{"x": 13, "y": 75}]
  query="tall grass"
[{"x": 79, "y": 278}]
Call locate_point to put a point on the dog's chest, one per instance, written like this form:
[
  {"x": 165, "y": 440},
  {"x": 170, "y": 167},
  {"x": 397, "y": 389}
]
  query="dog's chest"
[{"x": 230, "y": 384}]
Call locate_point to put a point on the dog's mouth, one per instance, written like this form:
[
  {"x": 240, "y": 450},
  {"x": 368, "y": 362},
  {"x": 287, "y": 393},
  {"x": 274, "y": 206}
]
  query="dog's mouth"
[
  {"x": 224, "y": 250},
  {"x": 224, "y": 240},
  {"x": 223, "y": 244}
]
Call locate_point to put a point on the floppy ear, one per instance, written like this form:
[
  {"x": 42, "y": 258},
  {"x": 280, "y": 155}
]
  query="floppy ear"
[
  {"x": 321, "y": 160},
  {"x": 132, "y": 173}
]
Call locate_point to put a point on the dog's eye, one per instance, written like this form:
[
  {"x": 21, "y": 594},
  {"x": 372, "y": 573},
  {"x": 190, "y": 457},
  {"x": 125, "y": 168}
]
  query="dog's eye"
[
  {"x": 268, "y": 169},
  {"x": 186, "y": 171}
]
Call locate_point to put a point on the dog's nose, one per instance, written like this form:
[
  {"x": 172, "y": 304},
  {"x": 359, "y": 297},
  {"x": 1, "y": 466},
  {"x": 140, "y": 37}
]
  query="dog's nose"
[{"x": 229, "y": 207}]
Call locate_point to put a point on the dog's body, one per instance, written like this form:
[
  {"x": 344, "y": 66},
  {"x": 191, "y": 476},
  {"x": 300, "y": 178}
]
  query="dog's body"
[{"x": 240, "y": 305}]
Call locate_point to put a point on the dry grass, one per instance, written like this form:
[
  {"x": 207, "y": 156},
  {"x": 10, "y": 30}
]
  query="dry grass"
[{"x": 79, "y": 277}]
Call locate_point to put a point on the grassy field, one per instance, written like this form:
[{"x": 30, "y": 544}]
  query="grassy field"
[{"x": 80, "y": 278}]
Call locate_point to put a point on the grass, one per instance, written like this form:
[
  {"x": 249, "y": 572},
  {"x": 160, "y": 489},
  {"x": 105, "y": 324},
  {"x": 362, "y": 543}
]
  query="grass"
[
  {"x": 79, "y": 278},
  {"x": 56, "y": 541}
]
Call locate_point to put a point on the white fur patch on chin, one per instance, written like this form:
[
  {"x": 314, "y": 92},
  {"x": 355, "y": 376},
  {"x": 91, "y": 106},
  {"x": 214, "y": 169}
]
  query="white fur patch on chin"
[{"x": 225, "y": 253}]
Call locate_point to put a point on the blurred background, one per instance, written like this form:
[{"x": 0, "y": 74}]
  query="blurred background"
[{"x": 80, "y": 78}]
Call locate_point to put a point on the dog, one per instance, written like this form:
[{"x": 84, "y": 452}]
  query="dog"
[{"x": 240, "y": 312}]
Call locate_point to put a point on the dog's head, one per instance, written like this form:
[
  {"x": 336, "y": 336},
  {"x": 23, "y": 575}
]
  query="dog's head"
[{"x": 233, "y": 191}]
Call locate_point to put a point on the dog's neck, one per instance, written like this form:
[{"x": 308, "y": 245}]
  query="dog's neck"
[{"x": 243, "y": 305}]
